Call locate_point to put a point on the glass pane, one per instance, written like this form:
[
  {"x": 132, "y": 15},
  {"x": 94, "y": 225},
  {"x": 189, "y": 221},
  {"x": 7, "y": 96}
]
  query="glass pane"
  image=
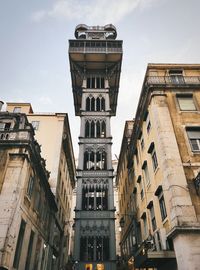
[{"x": 186, "y": 103}]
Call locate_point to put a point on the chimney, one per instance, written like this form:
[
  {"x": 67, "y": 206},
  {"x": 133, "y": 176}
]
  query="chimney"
[{"x": 1, "y": 105}]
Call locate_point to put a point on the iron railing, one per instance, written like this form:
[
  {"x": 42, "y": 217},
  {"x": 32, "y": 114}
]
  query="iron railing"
[
  {"x": 173, "y": 80},
  {"x": 95, "y": 49}
]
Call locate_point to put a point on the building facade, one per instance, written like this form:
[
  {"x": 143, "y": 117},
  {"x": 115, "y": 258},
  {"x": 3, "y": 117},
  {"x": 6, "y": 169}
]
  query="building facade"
[
  {"x": 95, "y": 61},
  {"x": 164, "y": 161},
  {"x": 52, "y": 132},
  {"x": 28, "y": 207},
  {"x": 126, "y": 204}
]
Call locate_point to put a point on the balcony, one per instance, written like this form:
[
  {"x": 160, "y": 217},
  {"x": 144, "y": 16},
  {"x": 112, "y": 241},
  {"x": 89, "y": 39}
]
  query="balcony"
[
  {"x": 147, "y": 257},
  {"x": 173, "y": 80},
  {"x": 77, "y": 46},
  {"x": 11, "y": 135}
]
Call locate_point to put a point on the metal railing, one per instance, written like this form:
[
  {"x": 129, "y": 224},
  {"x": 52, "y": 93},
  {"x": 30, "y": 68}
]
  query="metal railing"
[
  {"x": 95, "y": 49},
  {"x": 173, "y": 80}
]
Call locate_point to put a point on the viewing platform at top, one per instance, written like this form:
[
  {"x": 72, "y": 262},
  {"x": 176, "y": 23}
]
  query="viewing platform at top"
[{"x": 95, "y": 52}]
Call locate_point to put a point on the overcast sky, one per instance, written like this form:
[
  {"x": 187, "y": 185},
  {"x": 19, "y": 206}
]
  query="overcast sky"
[{"x": 34, "y": 35}]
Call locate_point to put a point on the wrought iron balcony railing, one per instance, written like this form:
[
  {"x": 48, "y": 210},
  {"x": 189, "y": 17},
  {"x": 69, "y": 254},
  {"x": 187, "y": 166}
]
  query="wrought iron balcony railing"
[
  {"x": 95, "y": 46},
  {"x": 177, "y": 80}
]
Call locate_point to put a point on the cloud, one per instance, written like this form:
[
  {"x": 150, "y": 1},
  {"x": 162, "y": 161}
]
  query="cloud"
[
  {"x": 44, "y": 100},
  {"x": 100, "y": 11}
]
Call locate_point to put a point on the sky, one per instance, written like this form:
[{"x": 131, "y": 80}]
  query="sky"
[{"x": 34, "y": 65}]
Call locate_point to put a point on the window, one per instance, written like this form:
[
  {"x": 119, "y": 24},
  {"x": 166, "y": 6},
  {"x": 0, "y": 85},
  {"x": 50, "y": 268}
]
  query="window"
[
  {"x": 95, "y": 82},
  {"x": 5, "y": 126},
  {"x": 146, "y": 172},
  {"x": 30, "y": 187},
  {"x": 160, "y": 195},
  {"x": 142, "y": 142},
  {"x": 148, "y": 122},
  {"x": 95, "y": 160},
  {"x": 97, "y": 104},
  {"x": 162, "y": 206},
  {"x": 194, "y": 138},
  {"x": 35, "y": 124},
  {"x": 37, "y": 201},
  {"x": 95, "y": 198},
  {"x": 152, "y": 215},
  {"x": 20, "y": 239},
  {"x": 186, "y": 102},
  {"x": 145, "y": 228},
  {"x": 176, "y": 76},
  {"x": 197, "y": 184},
  {"x": 94, "y": 248},
  {"x": 17, "y": 109},
  {"x": 137, "y": 156},
  {"x": 95, "y": 129},
  {"x": 152, "y": 151},
  {"x": 154, "y": 159},
  {"x": 30, "y": 246},
  {"x": 90, "y": 104},
  {"x": 100, "y": 104}
]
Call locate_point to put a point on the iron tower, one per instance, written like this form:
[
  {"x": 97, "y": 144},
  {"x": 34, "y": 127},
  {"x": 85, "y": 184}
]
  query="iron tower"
[{"x": 95, "y": 61}]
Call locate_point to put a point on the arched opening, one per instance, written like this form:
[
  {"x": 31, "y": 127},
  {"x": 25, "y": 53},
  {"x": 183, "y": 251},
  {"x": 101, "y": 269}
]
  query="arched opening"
[
  {"x": 98, "y": 128},
  {"x": 103, "y": 104},
  {"x": 92, "y": 135},
  {"x": 88, "y": 104},
  {"x": 103, "y": 129},
  {"x": 87, "y": 129},
  {"x": 92, "y": 108}
]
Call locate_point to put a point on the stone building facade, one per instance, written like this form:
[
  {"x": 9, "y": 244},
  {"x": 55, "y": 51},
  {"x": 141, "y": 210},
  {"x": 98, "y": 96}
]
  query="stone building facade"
[
  {"x": 164, "y": 166},
  {"x": 28, "y": 207},
  {"x": 52, "y": 132},
  {"x": 95, "y": 61}
]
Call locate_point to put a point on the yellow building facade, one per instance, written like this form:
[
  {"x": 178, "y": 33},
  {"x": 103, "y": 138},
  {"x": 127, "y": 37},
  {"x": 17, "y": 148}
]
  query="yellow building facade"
[
  {"x": 163, "y": 167},
  {"x": 52, "y": 131},
  {"x": 28, "y": 207}
]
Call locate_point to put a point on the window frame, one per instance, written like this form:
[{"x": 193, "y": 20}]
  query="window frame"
[
  {"x": 193, "y": 138},
  {"x": 30, "y": 186},
  {"x": 152, "y": 215},
  {"x": 186, "y": 95}
]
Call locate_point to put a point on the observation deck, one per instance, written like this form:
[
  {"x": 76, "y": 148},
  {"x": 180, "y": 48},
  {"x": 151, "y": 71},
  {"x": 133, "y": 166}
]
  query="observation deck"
[{"x": 95, "y": 51}]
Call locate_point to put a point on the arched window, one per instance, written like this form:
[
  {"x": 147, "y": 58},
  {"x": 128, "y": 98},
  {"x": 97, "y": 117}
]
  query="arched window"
[
  {"x": 100, "y": 104},
  {"x": 90, "y": 129},
  {"x": 95, "y": 197},
  {"x": 103, "y": 130},
  {"x": 88, "y": 104},
  {"x": 103, "y": 104},
  {"x": 101, "y": 160},
  {"x": 86, "y": 160},
  {"x": 89, "y": 161},
  {"x": 92, "y": 108},
  {"x": 98, "y": 129},
  {"x": 92, "y": 135},
  {"x": 87, "y": 129}
]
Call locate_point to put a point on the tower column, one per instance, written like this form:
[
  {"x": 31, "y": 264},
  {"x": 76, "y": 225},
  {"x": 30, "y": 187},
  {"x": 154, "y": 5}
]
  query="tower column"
[{"x": 94, "y": 72}]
